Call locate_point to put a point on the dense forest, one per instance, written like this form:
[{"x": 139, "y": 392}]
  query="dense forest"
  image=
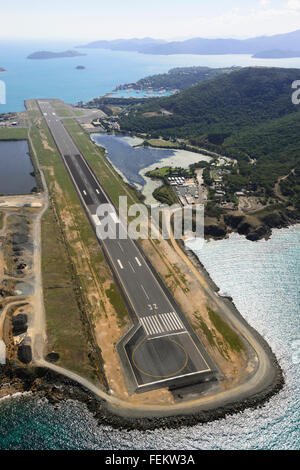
[
  {"x": 179, "y": 78},
  {"x": 247, "y": 114}
]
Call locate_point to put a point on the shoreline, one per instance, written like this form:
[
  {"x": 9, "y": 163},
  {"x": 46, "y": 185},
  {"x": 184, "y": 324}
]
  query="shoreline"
[
  {"x": 56, "y": 387},
  {"x": 57, "y": 384}
]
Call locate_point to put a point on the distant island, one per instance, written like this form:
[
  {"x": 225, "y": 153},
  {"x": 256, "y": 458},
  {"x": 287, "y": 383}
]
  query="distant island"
[
  {"x": 80, "y": 67},
  {"x": 124, "y": 44},
  {"x": 283, "y": 42},
  {"x": 276, "y": 54},
  {"x": 42, "y": 55},
  {"x": 2, "y": 70}
]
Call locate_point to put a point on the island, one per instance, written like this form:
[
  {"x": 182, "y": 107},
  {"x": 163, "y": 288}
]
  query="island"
[
  {"x": 43, "y": 55},
  {"x": 2, "y": 70},
  {"x": 80, "y": 67}
]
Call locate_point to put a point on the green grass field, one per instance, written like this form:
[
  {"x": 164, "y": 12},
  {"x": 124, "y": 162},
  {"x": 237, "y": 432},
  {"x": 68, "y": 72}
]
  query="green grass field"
[{"x": 13, "y": 133}]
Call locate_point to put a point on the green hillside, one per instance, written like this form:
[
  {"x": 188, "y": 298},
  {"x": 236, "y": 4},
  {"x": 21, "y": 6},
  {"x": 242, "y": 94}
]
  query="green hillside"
[
  {"x": 228, "y": 103},
  {"x": 248, "y": 113}
]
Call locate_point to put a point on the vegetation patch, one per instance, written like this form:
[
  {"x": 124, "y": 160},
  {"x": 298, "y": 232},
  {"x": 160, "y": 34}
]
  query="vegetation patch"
[
  {"x": 165, "y": 195},
  {"x": 229, "y": 335},
  {"x": 13, "y": 133},
  {"x": 117, "y": 302}
]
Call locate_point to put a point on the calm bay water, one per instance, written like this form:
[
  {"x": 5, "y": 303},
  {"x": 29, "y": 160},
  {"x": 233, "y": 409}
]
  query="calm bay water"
[
  {"x": 263, "y": 279},
  {"x": 15, "y": 168},
  {"x": 57, "y": 78}
]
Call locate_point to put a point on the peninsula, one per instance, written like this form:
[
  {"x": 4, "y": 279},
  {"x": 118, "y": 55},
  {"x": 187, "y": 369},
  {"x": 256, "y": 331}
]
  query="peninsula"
[
  {"x": 145, "y": 338},
  {"x": 43, "y": 55}
]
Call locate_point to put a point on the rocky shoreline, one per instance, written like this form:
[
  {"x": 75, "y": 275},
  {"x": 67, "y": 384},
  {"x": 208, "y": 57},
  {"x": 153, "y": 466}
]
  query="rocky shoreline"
[
  {"x": 240, "y": 225},
  {"x": 56, "y": 388}
]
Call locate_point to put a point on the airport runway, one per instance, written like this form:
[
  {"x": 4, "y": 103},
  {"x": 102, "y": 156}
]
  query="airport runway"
[{"x": 161, "y": 350}]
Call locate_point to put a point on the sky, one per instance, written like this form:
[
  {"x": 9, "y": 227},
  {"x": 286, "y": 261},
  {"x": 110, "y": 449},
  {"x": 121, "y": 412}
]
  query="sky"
[{"x": 165, "y": 19}]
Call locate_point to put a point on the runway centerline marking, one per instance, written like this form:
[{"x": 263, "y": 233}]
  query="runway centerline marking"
[
  {"x": 131, "y": 266},
  {"x": 145, "y": 292},
  {"x": 138, "y": 261}
]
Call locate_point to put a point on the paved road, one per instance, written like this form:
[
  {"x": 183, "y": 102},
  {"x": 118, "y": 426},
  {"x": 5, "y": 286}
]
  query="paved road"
[{"x": 162, "y": 350}]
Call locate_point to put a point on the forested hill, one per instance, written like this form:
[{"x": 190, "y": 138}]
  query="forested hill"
[
  {"x": 179, "y": 78},
  {"x": 247, "y": 113},
  {"x": 226, "y": 104}
]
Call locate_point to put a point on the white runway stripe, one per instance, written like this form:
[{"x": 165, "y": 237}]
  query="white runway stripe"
[
  {"x": 152, "y": 325},
  {"x": 154, "y": 328},
  {"x": 174, "y": 326},
  {"x": 167, "y": 325},
  {"x": 167, "y": 319},
  {"x": 145, "y": 326},
  {"x": 171, "y": 321},
  {"x": 158, "y": 325},
  {"x": 175, "y": 319},
  {"x": 163, "y": 323}
]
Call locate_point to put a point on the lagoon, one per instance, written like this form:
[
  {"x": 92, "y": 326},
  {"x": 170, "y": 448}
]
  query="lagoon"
[{"x": 133, "y": 161}]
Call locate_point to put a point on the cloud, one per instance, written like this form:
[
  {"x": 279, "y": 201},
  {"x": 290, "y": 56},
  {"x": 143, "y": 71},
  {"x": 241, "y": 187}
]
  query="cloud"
[
  {"x": 293, "y": 5},
  {"x": 265, "y": 3}
]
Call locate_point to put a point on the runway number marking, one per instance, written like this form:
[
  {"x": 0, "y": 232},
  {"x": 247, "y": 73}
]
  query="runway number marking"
[{"x": 152, "y": 307}]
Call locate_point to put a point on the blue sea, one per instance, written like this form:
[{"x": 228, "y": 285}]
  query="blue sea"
[
  {"x": 58, "y": 78},
  {"x": 263, "y": 279}
]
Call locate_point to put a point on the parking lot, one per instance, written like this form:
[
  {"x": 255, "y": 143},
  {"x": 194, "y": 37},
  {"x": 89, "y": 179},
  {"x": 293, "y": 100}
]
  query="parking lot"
[{"x": 188, "y": 190}]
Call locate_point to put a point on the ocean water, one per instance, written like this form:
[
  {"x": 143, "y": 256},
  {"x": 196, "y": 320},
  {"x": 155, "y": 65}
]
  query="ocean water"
[
  {"x": 263, "y": 279},
  {"x": 58, "y": 78}
]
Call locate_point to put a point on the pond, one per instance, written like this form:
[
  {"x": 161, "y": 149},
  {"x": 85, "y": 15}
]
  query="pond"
[{"x": 16, "y": 169}]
